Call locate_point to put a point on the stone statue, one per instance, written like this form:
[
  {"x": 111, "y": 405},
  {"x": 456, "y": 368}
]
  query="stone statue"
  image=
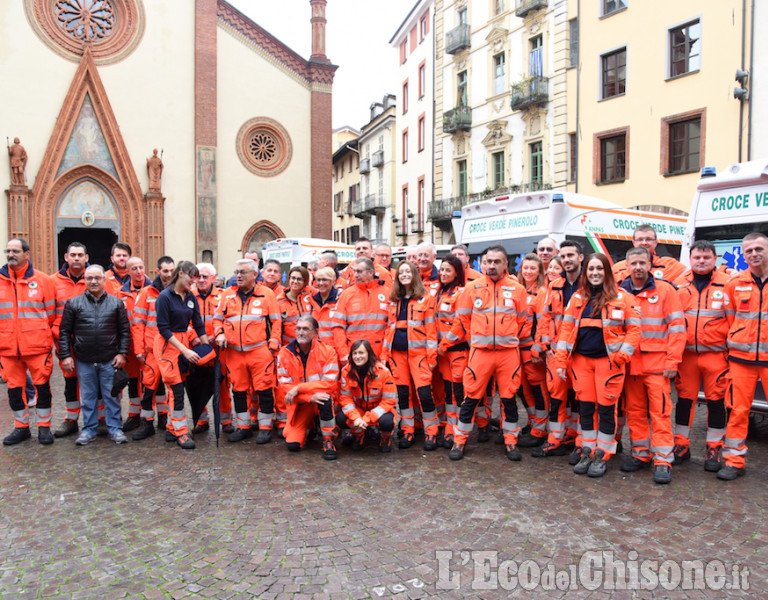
[
  {"x": 18, "y": 162},
  {"x": 155, "y": 171}
]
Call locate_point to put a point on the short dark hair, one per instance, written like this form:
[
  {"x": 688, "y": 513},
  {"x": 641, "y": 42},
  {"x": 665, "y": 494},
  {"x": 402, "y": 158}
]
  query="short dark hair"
[
  {"x": 362, "y": 239},
  {"x": 755, "y": 235},
  {"x": 23, "y": 242},
  {"x": 272, "y": 261},
  {"x": 639, "y": 250},
  {"x": 121, "y": 246},
  {"x": 77, "y": 245},
  {"x": 572, "y": 244},
  {"x": 645, "y": 227},
  {"x": 704, "y": 246},
  {"x": 460, "y": 247},
  {"x": 497, "y": 248},
  {"x": 164, "y": 260},
  {"x": 311, "y": 320},
  {"x": 367, "y": 263}
]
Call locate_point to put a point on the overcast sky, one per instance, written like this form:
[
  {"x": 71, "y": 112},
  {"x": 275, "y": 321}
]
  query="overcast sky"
[{"x": 357, "y": 40}]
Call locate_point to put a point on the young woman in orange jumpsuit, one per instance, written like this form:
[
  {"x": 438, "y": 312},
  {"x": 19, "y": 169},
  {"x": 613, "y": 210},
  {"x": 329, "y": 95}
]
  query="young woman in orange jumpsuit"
[
  {"x": 453, "y": 361},
  {"x": 599, "y": 334},
  {"x": 410, "y": 348},
  {"x": 533, "y": 390},
  {"x": 368, "y": 398}
]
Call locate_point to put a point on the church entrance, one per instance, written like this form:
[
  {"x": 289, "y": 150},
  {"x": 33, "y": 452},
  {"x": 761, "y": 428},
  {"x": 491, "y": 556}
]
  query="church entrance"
[{"x": 98, "y": 242}]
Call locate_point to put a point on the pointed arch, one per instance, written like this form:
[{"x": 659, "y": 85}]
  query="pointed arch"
[
  {"x": 122, "y": 183},
  {"x": 268, "y": 226}
]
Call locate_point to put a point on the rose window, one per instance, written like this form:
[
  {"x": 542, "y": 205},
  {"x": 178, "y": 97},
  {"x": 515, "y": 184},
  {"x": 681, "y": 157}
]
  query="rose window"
[
  {"x": 86, "y": 20},
  {"x": 264, "y": 146}
]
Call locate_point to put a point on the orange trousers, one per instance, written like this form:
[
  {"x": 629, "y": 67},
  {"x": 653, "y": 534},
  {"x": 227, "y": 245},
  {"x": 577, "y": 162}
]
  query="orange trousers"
[
  {"x": 711, "y": 368},
  {"x": 168, "y": 363},
  {"x": 534, "y": 394},
  {"x": 739, "y": 398},
  {"x": 451, "y": 366},
  {"x": 561, "y": 406},
  {"x": 598, "y": 383},
  {"x": 40, "y": 367},
  {"x": 504, "y": 366},
  {"x": 647, "y": 398},
  {"x": 413, "y": 367}
]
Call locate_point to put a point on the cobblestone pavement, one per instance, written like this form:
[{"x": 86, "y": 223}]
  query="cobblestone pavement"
[{"x": 149, "y": 520}]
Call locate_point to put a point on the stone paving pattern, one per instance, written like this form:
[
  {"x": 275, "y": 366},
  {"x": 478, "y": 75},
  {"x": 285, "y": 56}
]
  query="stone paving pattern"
[{"x": 147, "y": 520}]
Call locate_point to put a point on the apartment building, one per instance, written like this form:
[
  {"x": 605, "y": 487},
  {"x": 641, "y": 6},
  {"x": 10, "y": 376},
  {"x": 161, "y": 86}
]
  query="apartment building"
[{"x": 346, "y": 184}]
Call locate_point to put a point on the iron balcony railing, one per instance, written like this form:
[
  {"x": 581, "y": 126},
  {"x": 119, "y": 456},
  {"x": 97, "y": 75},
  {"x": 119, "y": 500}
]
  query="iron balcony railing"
[
  {"x": 457, "y": 38},
  {"x": 457, "y": 119},
  {"x": 531, "y": 91},
  {"x": 373, "y": 203},
  {"x": 365, "y": 166},
  {"x": 377, "y": 160},
  {"x": 523, "y": 7}
]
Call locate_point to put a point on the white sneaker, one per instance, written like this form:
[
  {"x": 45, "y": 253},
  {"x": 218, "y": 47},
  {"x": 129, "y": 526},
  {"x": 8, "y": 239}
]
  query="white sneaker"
[
  {"x": 119, "y": 438},
  {"x": 84, "y": 439}
]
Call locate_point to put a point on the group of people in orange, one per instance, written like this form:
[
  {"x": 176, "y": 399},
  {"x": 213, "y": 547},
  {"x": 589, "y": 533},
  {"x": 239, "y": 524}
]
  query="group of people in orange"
[{"x": 371, "y": 352}]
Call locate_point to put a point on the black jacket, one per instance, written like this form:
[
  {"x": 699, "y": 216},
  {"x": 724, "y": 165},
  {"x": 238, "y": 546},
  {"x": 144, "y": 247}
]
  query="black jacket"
[{"x": 94, "y": 331}]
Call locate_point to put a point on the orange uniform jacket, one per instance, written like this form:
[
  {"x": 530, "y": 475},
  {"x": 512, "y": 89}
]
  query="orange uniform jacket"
[
  {"x": 320, "y": 374},
  {"x": 113, "y": 282},
  {"x": 323, "y": 314},
  {"x": 446, "y": 310},
  {"x": 346, "y": 278},
  {"x": 470, "y": 274},
  {"x": 662, "y": 267},
  {"x": 27, "y": 312},
  {"x": 491, "y": 314},
  {"x": 618, "y": 320},
  {"x": 361, "y": 312},
  {"x": 748, "y": 334},
  {"x": 290, "y": 312},
  {"x": 535, "y": 299},
  {"x": 378, "y": 396},
  {"x": 207, "y": 307},
  {"x": 144, "y": 325},
  {"x": 663, "y": 327},
  {"x": 705, "y": 312},
  {"x": 66, "y": 288},
  {"x": 251, "y": 324},
  {"x": 420, "y": 324},
  {"x": 548, "y": 328}
]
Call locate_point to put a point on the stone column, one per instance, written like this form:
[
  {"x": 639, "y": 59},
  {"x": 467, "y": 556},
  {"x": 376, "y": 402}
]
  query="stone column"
[
  {"x": 18, "y": 211},
  {"x": 154, "y": 244}
]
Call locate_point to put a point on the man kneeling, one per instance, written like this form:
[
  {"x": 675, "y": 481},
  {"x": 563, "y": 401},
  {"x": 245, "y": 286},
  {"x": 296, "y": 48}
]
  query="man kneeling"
[{"x": 308, "y": 375}]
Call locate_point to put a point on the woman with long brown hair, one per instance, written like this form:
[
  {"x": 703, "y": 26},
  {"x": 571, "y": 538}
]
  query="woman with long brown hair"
[
  {"x": 410, "y": 348},
  {"x": 533, "y": 388},
  {"x": 599, "y": 334}
]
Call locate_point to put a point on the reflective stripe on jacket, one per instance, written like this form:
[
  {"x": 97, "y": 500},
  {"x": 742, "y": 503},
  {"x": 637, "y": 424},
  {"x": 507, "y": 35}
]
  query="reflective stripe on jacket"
[
  {"x": 662, "y": 267},
  {"x": 207, "y": 308},
  {"x": 420, "y": 325},
  {"x": 706, "y": 321},
  {"x": 27, "y": 312},
  {"x": 748, "y": 318},
  {"x": 144, "y": 323},
  {"x": 320, "y": 374},
  {"x": 618, "y": 320},
  {"x": 290, "y": 312},
  {"x": 361, "y": 312},
  {"x": 534, "y": 301},
  {"x": 251, "y": 324},
  {"x": 662, "y": 339},
  {"x": 491, "y": 314},
  {"x": 377, "y": 396},
  {"x": 65, "y": 288}
]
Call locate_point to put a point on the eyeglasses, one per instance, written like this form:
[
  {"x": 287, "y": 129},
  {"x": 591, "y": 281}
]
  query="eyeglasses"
[
  {"x": 296, "y": 279},
  {"x": 205, "y": 276},
  {"x": 243, "y": 272},
  {"x": 322, "y": 279},
  {"x": 94, "y": 278}
]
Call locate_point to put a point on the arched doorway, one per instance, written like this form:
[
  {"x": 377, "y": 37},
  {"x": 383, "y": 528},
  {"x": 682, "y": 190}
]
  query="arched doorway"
[
  {"x": 259, "y": 234},
  {"x": 87, "y": 212}
]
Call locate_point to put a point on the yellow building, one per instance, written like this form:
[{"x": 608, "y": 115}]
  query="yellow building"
[
  {"x": 242, "y": 125},
  {"x": 346, "y": 184},
  {"x": 651, "y": 96}
]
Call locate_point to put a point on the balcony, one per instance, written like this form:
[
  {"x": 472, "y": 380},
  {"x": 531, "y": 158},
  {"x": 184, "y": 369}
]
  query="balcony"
[
  {"x": 533, "y": 91},
  {"x": 442, "y": 210},
  {"x": 356, "y": 208},
  {"x": 378, "y": 159},
  {"x": 373, "y": 203},
  {"x": 458, "y": 119},
  {"x": 523, "y": 7},
  {"x": 365, "y": 166},
  {"x": 417, "y": 224},
  {"x": 349, "y": 209},
  {"x": 457, "y": 39},
  {"x": 401, "y": 227}
]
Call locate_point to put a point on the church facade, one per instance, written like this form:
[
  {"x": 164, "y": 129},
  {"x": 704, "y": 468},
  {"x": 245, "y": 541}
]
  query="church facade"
[{"x": 192, "y": 133}]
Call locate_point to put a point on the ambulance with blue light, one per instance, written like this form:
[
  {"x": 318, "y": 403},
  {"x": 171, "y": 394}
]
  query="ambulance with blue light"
[
  {"x": 519, "y": 222},
  {"x": 727, "y": 206}
]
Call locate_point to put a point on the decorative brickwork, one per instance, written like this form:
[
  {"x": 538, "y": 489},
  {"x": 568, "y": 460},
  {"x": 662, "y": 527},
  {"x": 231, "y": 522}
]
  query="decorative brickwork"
[
  {"x": 260, "y": 227},
  {"x": 49, "y": 187},
  {"x": 112, "y": 28}
]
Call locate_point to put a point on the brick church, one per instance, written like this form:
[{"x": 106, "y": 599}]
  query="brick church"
[{"x": 193, "y": 133}]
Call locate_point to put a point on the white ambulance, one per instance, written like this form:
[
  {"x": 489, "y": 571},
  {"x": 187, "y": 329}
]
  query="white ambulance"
[
  {"x": 519, "y": 222},
  {"x": 727, "y": 206},
  {"x": 293, "y": 252}
]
